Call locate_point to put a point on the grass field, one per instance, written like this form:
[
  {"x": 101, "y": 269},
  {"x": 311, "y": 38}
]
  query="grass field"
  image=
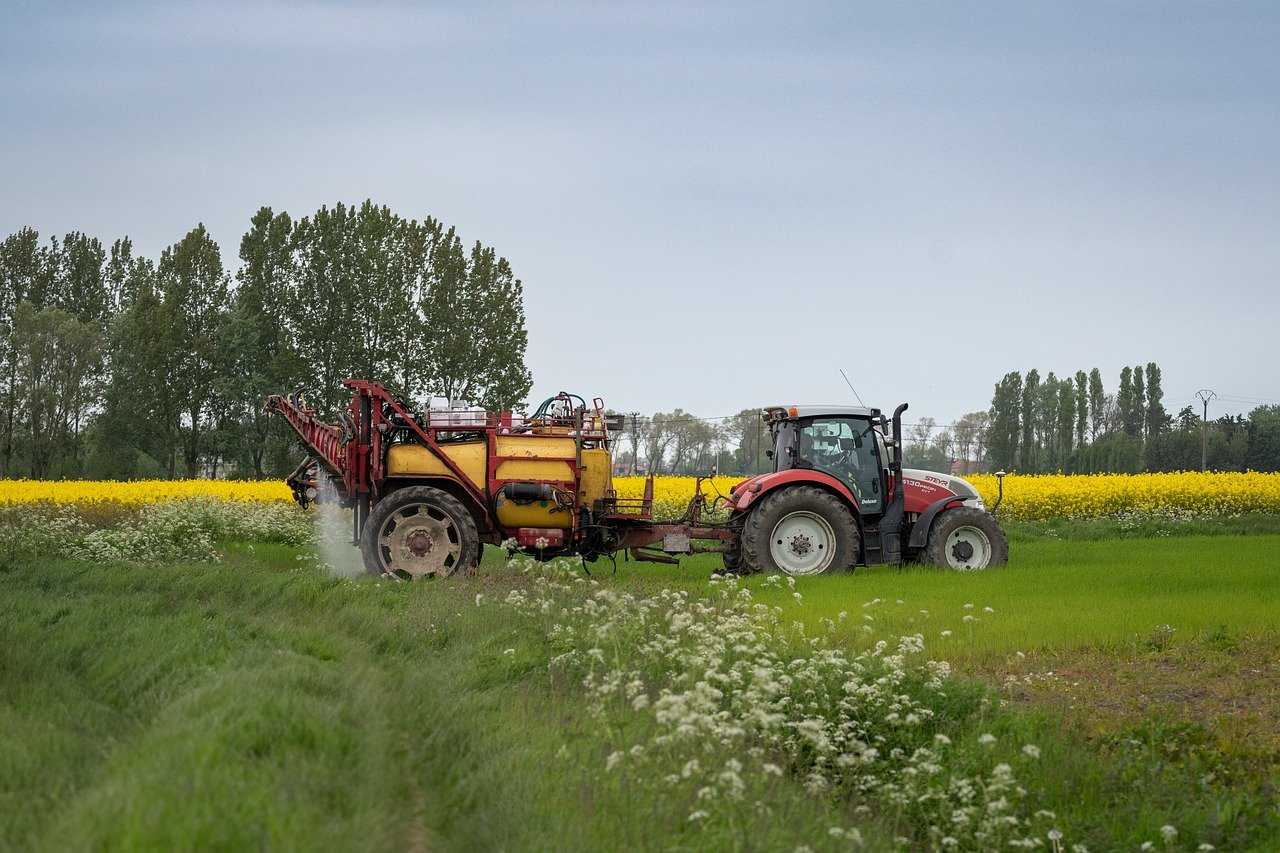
[{"x": 259, "y": 702}]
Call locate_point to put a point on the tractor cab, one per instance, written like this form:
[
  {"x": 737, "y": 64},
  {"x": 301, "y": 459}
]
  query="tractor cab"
[{"x": 846, "y": 442}]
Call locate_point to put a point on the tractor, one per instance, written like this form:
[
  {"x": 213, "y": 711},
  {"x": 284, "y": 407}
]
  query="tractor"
[{"x": 429, "y": 488}]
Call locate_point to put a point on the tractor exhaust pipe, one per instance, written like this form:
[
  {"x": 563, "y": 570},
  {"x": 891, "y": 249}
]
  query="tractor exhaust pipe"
[{"x": 891, "y": 524}]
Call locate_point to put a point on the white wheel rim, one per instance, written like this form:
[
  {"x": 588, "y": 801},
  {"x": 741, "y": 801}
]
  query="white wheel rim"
[
  {"x": 968, "y": 548},
  {"x": 802, "y": 543},
  {"x": 419, "y": 539}
]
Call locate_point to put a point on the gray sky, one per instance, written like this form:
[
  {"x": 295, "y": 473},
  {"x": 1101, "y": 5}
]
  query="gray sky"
[{"x": 717, "y": 206}]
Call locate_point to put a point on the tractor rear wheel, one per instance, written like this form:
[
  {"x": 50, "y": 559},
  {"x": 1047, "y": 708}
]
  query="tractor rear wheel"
[
  {"x": 419, "y": 532},
  {"x": 800, "y": 530},
  {"x": 966, "y": 539}
]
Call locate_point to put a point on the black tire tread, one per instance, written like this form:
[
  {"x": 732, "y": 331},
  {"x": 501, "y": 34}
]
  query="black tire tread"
[
  {"x": 949, "y": 519},
  {"x": 468, "y": 558},
  {"x": 762, "y": 518}
]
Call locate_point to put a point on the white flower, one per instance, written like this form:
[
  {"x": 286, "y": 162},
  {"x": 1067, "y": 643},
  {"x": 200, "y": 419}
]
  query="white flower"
[
  {"x": 1055, "y": 835},
  {"x": 772, "y": 770},
  {"x": 698, "y": 815},
  {"x": 968, "y": 605},
  {"x": 1206, "y": 847},
  {"x": 479, "y": 598},
  {"x": 1168, "y": 833},
  {"x": 946, "y": 633},
  {"x": 987, "y": 739},
  {"x": 988, "y": 610},
  {"x": 1033, "y": 751},
  {"x": 509, "y": 651},
  {"x": 615, "y": 758},
  {"x": 942, "y": 740}
]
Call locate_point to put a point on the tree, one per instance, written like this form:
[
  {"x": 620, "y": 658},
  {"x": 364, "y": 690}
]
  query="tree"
[
  {"x": 1157, "y": 419},
  {"x": 194, "y": 293},
  {"x": 19, "y": 271},
  {"x": 257, "y": 354},
  {"x": 658, "y": 436},
  {"x": 1136, "y": 416},
  {"x": 1030, "y": 397},
  {"x": 1047, "y": 424},
  {"x": 1082, "y": 407},
  {"x": 1264, "y": 439},
  {"x": 477, "y": 339},
  {"x": 1097, "y": 405},
  {"x": 921, "y": 430},
  {"x": 1066, "y": 421},
  {"x": 1004, "y": 431},
  {"x": 58, "y": 367},
  {"x": 1124, "y": 400}
]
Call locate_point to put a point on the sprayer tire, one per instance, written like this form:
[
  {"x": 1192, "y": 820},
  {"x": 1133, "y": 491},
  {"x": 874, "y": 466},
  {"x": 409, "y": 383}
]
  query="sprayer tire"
[
  {"x": 822, "y": 511},
  {"x": 445, "y": 515}
]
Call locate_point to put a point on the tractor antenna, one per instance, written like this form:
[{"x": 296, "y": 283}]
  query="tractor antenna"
[{"x": 851, "y": 388}]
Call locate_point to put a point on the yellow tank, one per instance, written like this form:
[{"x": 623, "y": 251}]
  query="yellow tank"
[
  {"x": 531, "y": 458},
  {"x": 414, "y": 460}
]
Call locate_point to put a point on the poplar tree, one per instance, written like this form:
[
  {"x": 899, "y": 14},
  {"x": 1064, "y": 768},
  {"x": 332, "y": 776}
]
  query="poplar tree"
[
  {"x": 1124, "y": 399},
  {"x": 1003, "y": 422},
  {"x": 1082, "y": 406},
  {"x": 1136, "y": 415},
  {"x": 1097, "y": 405},
  {"x": 1066, "y": 421},
  {"x": 1030, "y": 397},
  {"x": 1157, "y": 419}
]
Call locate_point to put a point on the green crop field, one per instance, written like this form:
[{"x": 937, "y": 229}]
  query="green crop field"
[{"x": 259, "y": 702}]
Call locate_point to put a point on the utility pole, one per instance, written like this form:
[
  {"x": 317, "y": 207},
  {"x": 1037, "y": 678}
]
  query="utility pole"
[
  {"x": 635, "y": 441},
  {"x": 1205, "y": 396}
]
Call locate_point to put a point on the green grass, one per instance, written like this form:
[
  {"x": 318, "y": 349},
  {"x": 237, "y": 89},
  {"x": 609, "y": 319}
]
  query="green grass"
[
  {"x": 1053, "y": 593},
  {"x": 257, "y": 703}
]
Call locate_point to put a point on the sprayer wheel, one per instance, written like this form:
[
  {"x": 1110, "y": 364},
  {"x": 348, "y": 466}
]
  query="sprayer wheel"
[{"x": 418, "y": 532}]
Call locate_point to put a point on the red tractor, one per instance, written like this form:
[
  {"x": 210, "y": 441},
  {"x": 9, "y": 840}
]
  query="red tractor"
[
  {"x": 429, "y": 488},
  {"x": 833, "y": 501}
]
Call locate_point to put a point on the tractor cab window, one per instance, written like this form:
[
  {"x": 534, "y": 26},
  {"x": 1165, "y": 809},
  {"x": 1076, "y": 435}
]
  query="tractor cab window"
[{"x": 846, "y": 449}]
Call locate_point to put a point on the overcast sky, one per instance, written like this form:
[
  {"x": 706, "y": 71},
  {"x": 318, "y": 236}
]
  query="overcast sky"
[{"x": 718, "y": 206}]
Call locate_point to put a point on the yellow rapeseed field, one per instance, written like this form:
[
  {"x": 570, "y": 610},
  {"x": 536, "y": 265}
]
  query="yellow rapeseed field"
[
  {"x": 1051, "y": 496},
  {"x": 139, "y": 492},
  {"x": 1026, "y": 497}
]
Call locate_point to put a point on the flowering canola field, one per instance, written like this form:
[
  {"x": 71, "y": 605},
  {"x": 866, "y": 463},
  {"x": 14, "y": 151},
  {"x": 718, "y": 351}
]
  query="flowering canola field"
[
  {"x": 1190, "y": 493},
  {"x": 1047, "y": 497},
  {"x": 139, "y": 492},
  {"x": 1026, "y": 497}
]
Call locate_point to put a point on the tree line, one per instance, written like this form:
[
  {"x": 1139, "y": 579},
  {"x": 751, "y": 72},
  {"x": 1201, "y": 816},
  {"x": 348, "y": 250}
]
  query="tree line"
[
  {"x": 1035, "y": 424},
  {"x": 1073, "y": 425},
  {"x": 113, "y": 364}
]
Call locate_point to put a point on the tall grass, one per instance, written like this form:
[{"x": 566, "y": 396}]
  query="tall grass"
[{"x": 259, "y": 702}]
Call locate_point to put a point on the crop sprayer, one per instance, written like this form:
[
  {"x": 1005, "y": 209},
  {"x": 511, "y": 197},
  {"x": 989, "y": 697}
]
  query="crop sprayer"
[{"x": 428, "y": 488}]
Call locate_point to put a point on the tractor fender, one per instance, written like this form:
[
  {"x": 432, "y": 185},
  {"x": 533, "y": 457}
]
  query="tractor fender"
[
  {"x": 920, "y": 530},
  {"x": 745, "y": 494}
]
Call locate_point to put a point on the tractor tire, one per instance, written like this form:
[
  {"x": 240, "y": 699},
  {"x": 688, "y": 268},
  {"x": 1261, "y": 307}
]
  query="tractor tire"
[
  {"x": 733, "y": 555},
  {"x": 799, "y": 530},
  {"x": 418, "y": 532},
  {"x": 966, "y": 539}
]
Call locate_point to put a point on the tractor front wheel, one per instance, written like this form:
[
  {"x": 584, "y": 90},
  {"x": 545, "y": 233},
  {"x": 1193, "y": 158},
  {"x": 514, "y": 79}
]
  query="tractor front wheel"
[
  {"x": 966, "y": 539},
  {"x": 419, "y": 532},
  {"x": 800, "y": 530}
]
